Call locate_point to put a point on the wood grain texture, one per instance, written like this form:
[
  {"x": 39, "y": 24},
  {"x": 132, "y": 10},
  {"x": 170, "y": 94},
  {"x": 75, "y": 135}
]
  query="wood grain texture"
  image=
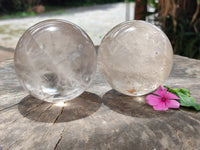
[{"x": 115, "y": 121}]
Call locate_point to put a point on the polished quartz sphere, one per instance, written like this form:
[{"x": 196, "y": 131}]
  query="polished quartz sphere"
[
  {"x": 55, "y": 60},
  {"x": 135, "y": 57}
]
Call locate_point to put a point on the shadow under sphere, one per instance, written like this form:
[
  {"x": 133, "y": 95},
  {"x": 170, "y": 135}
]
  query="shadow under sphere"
[
  {"x": 132, "y": 106},
  {"x": 42, "y": 111}
]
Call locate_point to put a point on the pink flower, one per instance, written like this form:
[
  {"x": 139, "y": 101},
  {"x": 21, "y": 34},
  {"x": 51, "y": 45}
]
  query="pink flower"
[{"x": 162, "y": 100}]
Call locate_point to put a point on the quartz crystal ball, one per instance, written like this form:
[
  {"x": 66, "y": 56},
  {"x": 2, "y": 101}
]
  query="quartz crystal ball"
[
  {"x": 55, "y": 60},
  {"x": 135, "y": 57}
]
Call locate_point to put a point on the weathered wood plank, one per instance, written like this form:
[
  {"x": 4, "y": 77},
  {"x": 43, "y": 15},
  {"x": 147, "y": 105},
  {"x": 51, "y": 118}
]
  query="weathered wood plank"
[{"x": 120, "y": 122}]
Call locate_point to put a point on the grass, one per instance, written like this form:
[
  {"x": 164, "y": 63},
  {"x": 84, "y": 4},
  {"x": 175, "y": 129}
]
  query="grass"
[
  {"x": 20, "y": 14},
  {"x": 53, "y": 9}
]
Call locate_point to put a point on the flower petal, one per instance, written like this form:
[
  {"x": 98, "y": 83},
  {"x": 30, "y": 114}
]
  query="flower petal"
[
  {"x": 153, "y": 100},
  {"x": 171, "y": 96},
  {"x": 161, "y": 91},
  {"x": 172, "y": 104},
  {"x": 157, "y": 92},
  {"x": 160, "y": 107}
]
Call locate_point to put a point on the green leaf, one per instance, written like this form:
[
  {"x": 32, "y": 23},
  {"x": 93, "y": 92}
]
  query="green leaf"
[
  {"x": 185, "y": 99},
  {"x": 184, "y": 91}
]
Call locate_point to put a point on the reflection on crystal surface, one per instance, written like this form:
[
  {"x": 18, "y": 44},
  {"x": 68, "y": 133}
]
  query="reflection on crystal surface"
[
  {"x": 55, "y": 60},
  {"x": 135, "y": 57}
]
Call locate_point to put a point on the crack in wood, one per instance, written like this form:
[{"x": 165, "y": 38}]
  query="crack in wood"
[
  {"x": 58, "y": 115},
  {"x": 47, "y": 131},
  {"x": 61, "y": 136},
  {"x": 9, "y": 107}
]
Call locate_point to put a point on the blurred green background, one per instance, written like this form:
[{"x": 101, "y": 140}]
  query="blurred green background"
[
  {"x": 179, "y": 19},
  {"x": 24, "y": 6}
]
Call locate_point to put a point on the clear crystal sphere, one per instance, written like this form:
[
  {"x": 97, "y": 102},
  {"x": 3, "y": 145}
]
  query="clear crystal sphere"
[
  {"x": 135, "y": 57},
  {"x": 55, "y": 60}
]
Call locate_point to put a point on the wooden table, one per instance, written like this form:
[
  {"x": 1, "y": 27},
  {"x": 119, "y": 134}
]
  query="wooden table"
[{"x": 88, "y": 122}]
